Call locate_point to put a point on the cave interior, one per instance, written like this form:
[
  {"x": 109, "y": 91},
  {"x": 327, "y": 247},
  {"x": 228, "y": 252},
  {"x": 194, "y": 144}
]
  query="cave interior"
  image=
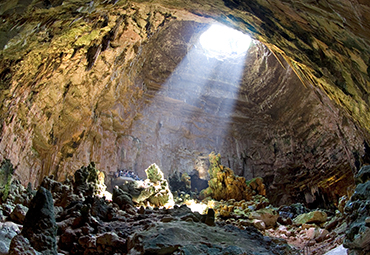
[{"x": 277, "y": 89}]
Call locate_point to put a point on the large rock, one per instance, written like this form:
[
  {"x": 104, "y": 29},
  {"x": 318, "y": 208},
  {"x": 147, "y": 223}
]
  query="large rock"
[
  {"x": 7, "y": 231},
  {"x": 19, "y": 213},
  {"x": 357, "y": 238},
  {"x": 224, "y": 184},
  {"x": 340, "y": 250},
  {"x": 39, "y": 225},
  {"x": 62, "y": 194},
  {"x": 311, "y": 217},
  {"x": 196, "y": 238},
  {"x": 89, "y": 181},
  {"x": 21, "y": 245},
  {"x": 121, "y": 198},
  {"x": 112, "y": 242},
  {"x": 155, "y": 189},
  {"x": 268, "y": 215}
]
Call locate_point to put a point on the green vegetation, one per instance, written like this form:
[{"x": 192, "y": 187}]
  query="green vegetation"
[
  {"x": 154, "y": 174},
  {"x": 6, "y": 174}
]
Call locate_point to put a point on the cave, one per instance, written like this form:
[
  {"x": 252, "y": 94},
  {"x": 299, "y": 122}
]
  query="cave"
[{"x": 126, "y": 84}]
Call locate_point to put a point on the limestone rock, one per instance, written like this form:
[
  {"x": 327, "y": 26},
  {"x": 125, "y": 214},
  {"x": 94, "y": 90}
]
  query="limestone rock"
[
  {"x": 155, "y": 189},
  {"x": 39, "y": 225},
  {"x": 100, "y": 208},
  {"x": 21, "y": 245},
  {"x": 19, "y": 213},
  {"x": 311, "y": 217},
  {"x": 210, "y": 217},
  {"x": 357, "y": 238},
  {"x": 154, "y": 174},
  {"x": 340, "y": 250},
  {"x": 224, "y": 184},
  {"x": 89, "y": 181},
  {"x": 363, "y": 174},
  {"x": 62, "y": 194},
  {"x": 268, "y": 215},
  {"x": 111, "y": 239},
  {"x": 259, "y": 224},
  {"x": 121, "y": 198},
  {"x": 7, "y": 231},
  {"x": 187, "y": 237}
]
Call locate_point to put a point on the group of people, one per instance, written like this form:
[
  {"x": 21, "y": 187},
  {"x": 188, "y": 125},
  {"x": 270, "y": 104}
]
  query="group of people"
[{"x": 126, "y": 173}]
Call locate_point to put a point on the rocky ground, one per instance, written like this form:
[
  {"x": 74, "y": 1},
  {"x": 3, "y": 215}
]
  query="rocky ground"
[{"x": 75, "y": 217}]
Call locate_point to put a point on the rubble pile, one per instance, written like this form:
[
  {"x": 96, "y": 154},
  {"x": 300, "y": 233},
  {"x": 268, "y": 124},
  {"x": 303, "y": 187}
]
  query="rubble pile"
[{"x": 72, "y": 218}]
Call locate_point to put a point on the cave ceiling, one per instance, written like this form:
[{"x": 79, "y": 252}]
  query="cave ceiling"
[{"x": 100, "y": 81}]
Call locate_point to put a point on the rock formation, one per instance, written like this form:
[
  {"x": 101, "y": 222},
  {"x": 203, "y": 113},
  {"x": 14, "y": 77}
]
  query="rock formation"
[
  {"x": 95, "y": 81},
  {"x": 39, "y": 228},
  {"x": 93, "y": 225},
  {"x": 358, "y": 232},
  {"x": 154, "y": 190}
]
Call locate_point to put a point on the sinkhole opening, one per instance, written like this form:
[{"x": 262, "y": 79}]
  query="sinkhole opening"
[{"x": 220, "y": 41}]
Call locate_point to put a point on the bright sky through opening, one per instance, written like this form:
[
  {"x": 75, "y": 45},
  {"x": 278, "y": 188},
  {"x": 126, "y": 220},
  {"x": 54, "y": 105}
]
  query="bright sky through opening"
[{"x": 222, "y": 41}]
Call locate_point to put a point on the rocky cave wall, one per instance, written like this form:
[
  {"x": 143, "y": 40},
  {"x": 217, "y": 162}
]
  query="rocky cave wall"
[{"x": 94, "y": 81}]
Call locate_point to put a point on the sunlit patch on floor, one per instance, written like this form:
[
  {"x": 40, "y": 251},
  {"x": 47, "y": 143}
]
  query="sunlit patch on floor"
[{"x": 196, "y": 206}]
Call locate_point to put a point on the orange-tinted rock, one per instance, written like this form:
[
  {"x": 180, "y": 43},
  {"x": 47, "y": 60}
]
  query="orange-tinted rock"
[{"x": 224, "y": 184}]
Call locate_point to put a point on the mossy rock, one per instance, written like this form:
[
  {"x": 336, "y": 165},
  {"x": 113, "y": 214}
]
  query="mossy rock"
[
  {"x": 311, "y": 217},
  {"x": 159, "y": 199},
  {"x": 154, "y": 174}
]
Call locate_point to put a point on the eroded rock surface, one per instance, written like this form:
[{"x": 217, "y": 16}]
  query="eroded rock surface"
[
  {"x": 358, "y": 209},
  {"x": 191, "y": 238},
  {"x": 95, "y": 81},
  {"x": 39, "y": 226},
  {"x": 93, "y": 225}
]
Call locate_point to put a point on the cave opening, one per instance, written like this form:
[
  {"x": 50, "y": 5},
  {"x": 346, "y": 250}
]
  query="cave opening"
[{"x": 220, "y": 41}]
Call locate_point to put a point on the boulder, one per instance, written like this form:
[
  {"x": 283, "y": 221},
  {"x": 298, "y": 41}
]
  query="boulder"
[
  {"x": 259, "y": 224},
  {"x": 155, "y": 189},
  {"x": 110, "y": 239},
  {"x": 21, "y": 245},
  {"x": 292, "y": 211},
  {"x": 311, "y": 217},
  {"x": 7, "y": 231},
  {"x": 363, "y": 175},
  {"x": 268, "y": 215},
  {"x": 89, "y": 181},
  {"x": 62, "y": 194},
  {"x": 121, "y": 198},
  {"x": 19, "y": 213},
  {"x": 179, "y": 237},
  {"x": 39, "y": 225},
  {"x": 162, "y": 195},
  {"x": 340, "y": 250},
  {"x": 210, "y": 217},
  {"x": 357, "y": 237}
]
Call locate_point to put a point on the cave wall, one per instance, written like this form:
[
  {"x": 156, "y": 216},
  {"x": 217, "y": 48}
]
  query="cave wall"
[
  {"x": 270, "y": 125},
  {"x": 77, "y": 85}
]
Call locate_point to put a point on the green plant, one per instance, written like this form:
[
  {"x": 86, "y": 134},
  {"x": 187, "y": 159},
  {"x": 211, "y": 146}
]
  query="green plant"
[{"x": 6, "y": 174}]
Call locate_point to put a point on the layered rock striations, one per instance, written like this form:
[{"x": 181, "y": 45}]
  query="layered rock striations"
[{"x": 126, "y": 85}]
